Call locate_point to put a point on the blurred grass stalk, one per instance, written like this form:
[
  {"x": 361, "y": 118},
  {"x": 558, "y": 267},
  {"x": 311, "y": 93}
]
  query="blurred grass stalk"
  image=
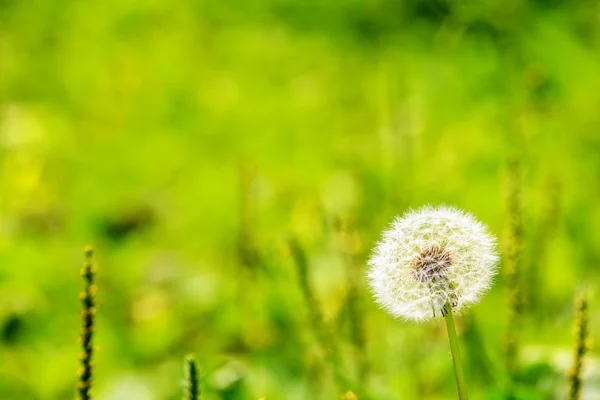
[
  {"x": 581, "y": 346},
  {"x": 547, "y": 228},
  {"x": 513, "y": 265},
  {"x": 248, "y": 254},
  {"x": 351, "y": 246},
  {"x": 87, "y": 297},
  {"x": 320, "y": 329}
]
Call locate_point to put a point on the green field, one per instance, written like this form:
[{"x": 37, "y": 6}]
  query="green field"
[{"x": 203, "y": 147}]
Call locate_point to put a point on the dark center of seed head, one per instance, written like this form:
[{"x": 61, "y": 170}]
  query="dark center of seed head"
[{"x": 431, "y": 264}]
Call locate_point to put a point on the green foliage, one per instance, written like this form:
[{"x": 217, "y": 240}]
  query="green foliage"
[{"x": 130, "y": 125}]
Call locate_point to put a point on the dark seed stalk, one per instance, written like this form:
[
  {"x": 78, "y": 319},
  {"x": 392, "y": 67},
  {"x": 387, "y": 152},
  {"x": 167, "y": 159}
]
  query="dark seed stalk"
[
  {"x": 581, "y": 335},
  {"x": 87, "y": 297},
  {"x": 192, "y": 387}
]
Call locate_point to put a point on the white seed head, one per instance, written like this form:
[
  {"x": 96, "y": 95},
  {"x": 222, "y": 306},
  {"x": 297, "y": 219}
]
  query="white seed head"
[{"x": 430, "y": 258}]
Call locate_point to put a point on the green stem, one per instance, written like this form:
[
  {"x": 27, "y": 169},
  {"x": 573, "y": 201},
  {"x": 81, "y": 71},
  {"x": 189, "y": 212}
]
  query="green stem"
[{"x": 461, "y": 383}]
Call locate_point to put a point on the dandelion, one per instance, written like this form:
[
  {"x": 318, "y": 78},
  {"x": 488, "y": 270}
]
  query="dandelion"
[{"x": 433, "y": 261}]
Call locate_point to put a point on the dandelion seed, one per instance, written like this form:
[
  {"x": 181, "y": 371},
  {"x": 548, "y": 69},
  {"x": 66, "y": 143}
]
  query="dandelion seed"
[{"x": 429, "y": 258}]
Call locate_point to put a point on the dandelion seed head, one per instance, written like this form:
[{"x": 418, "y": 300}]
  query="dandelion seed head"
[{"x": 429, "y": 258}]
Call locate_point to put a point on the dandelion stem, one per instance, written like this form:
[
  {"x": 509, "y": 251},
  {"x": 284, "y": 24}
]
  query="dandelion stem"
[{"x": 461, "y": 383}]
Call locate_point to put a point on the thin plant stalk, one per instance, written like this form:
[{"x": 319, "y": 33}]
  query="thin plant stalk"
[
  {"x": 87, "y": 297},
  {"x": 581, "y": 335},
  {"x": 461, "y": 383},
  {"x": 192, "y": 387}
]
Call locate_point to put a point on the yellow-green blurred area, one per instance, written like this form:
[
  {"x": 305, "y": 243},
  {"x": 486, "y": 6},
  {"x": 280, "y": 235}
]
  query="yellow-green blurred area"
[{"x": 192, "y": 141}]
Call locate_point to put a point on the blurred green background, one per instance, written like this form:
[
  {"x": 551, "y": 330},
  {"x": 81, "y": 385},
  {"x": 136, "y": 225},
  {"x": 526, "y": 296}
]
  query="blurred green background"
[{"x": 190, "y": 142}]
